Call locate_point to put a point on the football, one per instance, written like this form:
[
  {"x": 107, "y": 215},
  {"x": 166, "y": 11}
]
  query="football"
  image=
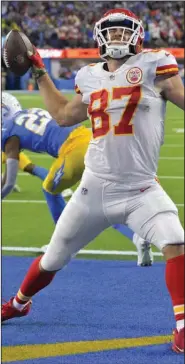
[{"x": 15, "y": 48}]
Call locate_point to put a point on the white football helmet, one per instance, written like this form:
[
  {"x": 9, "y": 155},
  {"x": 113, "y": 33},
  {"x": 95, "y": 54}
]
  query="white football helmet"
[
  {"x": 9, "y": 105},
  {"x": 128, "y": 23}
]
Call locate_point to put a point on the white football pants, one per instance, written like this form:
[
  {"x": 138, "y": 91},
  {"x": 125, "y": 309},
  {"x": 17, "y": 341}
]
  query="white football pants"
[{"x": 98, "y": 204}]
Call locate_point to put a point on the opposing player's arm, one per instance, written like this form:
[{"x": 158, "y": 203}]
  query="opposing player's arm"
[
  {"x": 11, "y": 168},
  {"x": 65, "y": 112},
  {"x": 172, "y": 89}
]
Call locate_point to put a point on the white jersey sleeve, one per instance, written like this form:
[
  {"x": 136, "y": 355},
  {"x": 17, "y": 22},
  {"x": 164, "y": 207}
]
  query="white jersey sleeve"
[
  {"x": 166, "y": 64},
  {"x": 78, "y": 82},
  {"x": 81, "y": 79}
]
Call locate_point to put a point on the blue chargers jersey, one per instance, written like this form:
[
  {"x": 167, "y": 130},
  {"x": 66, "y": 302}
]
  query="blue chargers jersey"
[{"x": 36, "y": 130}]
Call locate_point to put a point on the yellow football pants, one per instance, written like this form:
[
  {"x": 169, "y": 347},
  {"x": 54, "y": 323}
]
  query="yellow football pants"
[
  {"x": 23, "y": 160},
  {"x": 68, "y": 168}
]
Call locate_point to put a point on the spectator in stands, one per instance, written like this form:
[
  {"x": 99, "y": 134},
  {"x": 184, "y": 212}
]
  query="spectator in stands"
[{"x": 70, "y": 24}]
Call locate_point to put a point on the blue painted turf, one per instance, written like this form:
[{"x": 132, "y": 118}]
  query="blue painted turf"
[{"x": 94, "y": 300}]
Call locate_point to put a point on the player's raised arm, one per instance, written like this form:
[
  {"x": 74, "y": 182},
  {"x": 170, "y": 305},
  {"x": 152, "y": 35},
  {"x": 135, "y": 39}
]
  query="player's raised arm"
[
  {"x": 173, "y": 90},
  {"x": 65, "y": 112},
  {"x": 12, "y": 165}
]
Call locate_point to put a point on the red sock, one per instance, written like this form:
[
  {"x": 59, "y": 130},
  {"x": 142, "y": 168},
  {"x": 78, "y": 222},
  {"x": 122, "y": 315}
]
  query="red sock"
[
  {"x": 175, "y": 284},
  {"x": 34, "y": 281}
]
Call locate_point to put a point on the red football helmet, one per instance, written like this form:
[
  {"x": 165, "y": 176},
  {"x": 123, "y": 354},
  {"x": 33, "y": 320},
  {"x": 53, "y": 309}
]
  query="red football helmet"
[{"x": 129, "y": 24}]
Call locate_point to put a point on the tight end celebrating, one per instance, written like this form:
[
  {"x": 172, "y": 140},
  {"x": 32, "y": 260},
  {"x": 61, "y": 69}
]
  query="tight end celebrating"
[{"x": 125, "y": 98}]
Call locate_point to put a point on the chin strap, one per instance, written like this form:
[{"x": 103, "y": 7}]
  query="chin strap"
[{"x": 118, "y": 52}]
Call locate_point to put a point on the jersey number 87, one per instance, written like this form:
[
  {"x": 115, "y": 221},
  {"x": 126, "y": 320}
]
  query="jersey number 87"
[
  {"x": 35, "y": 121},
  {"x": 99, "y": 103}
]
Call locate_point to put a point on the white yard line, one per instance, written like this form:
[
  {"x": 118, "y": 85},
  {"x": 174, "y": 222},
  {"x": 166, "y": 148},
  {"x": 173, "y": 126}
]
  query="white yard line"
[
  {"x": 43, "y": 201},
  {"x": 45, "y": 156},
  {"x": 178, "y": 130},
  {"x": 23, "y": 174},
  {"x": 82, "y": 251}
]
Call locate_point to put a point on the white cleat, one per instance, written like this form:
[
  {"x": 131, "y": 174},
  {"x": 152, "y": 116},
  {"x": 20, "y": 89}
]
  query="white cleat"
[
  {"x": 16, "y": 188},
  {"x": 67, "y": 193},
  {"x": 144, "y": 250},
  {"x": 145, "y": 255}
]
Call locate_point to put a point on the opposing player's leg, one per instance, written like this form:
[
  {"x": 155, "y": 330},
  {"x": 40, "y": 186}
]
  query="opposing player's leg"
[
  {"x": 81, "y": 221},
  {"x": 156, "y": 220},
  {"x": 68, "y": 168},
  {"x": 56, "y": 203},
  {"x": 37, "y": 171},
  {"x": 144, "y": 250}
]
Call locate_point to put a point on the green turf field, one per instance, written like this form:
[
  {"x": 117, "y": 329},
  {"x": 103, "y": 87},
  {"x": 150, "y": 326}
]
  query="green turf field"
[{"x": 26, "y": 221}]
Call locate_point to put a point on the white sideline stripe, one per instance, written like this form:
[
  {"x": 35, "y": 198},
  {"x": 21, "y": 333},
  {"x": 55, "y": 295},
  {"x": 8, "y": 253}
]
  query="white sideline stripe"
[
  {"x": 83, "y": 251},
  {"x": 24, "y": 174},
  {"x": 45, "y": 156},
  {"x": 43, "y": 201}
]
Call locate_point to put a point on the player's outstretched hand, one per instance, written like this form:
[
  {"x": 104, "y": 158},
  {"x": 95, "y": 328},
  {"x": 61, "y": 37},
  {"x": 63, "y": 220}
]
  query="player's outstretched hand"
[{"x": 38, "y": 66}]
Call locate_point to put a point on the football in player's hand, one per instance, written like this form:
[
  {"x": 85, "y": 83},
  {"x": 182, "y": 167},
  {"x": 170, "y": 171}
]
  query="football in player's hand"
[{"x": 15, "y": 48}]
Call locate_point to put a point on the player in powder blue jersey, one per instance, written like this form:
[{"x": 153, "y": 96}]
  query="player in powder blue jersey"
[{"x": 35, "y": 130}]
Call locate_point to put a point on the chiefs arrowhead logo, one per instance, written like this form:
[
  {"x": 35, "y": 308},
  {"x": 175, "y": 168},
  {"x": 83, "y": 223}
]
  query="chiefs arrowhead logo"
[{"x": 134, "y": 75}]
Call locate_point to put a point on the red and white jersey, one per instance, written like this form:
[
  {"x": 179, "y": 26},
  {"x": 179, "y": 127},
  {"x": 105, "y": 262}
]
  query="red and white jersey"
[{"x": 127, "y": 114}]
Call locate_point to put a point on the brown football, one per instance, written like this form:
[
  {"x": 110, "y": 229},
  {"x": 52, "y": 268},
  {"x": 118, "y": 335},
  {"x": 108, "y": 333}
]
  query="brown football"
[{"x": 15, "y": 48}]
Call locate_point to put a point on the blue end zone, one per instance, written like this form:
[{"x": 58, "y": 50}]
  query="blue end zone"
[
  {"x": 94, "y": 300},
  {"x": 90, "y": 299}
]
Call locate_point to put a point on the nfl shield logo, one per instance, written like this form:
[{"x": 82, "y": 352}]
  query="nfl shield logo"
[{"x": 84, "y": 191}]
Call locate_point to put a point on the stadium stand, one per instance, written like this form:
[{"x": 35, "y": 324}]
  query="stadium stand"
[
  {"x": 59, "y": 25},
  {"x": 65, "y": 26}
]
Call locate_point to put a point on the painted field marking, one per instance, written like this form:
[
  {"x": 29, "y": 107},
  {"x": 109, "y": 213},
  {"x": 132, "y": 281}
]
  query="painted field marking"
[
  {"x": 45, "y": 156},
  {"x": 43, "y": 248},
  {"x": 179, "y": 130},
  {"x": 24, "y": 174},
  {"x": 19, "y": 353},
  {"x": 43, "y": 201}
]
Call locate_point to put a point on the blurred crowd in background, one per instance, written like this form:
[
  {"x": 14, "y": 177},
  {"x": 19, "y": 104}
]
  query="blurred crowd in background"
[
  {"x": 60, "y": 24},
  {"x": 69, "y": 24}
]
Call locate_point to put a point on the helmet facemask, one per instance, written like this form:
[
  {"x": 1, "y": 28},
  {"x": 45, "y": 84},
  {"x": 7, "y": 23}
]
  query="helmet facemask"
[{"x": 132, "y": 34}]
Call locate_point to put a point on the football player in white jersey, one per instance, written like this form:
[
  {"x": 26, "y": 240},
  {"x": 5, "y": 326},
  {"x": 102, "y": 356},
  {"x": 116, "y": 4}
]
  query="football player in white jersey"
[{"x": 125, "y": 97}]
